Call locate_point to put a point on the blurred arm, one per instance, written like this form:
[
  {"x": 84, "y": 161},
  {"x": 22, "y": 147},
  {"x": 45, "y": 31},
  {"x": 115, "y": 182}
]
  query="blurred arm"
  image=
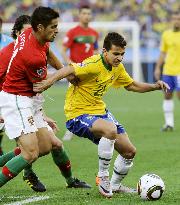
[
  {"x": 54, "y": 61},
  {"x": 64, "y": 55},
  {"x": 157, "y": 71}
]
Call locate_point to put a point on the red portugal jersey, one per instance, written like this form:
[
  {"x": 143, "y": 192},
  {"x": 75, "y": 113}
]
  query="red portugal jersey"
[
  {"x": 5, "y": 56},
  {"x": 28, "y": 64},
  {"x": 81, "y": 42}
]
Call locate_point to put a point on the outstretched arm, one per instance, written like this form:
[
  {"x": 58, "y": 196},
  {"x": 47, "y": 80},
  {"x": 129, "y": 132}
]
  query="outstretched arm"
[
  {"x": 60, "y": 74},
  {"x": 147, "y": 87}
]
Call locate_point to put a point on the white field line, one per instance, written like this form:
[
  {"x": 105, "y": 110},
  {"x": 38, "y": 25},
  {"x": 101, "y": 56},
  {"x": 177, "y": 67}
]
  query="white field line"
[{"x": 29, "y": 200}]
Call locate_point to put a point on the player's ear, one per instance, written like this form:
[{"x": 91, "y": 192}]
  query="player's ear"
[
  {"x": 40, "y": 27},
  {"x": 104, "y": 51}
]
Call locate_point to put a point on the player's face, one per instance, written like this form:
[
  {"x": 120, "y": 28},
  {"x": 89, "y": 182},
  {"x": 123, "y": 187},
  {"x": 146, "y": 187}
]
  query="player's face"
[
  {"x": 176, "y": 21},
  {"x": 114, "y": 56},
  {"x": 85, "y": 16},
  {"x": 49, "y": 33},
  {"x": 25, "y": 26}
]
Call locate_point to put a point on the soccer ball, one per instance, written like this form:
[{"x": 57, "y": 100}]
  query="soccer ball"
[{"x": 150, "y": 187}]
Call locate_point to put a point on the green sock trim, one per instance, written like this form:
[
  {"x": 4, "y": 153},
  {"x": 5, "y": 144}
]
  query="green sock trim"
[
  {"x": 13, "y": 167},
  {"x": 6, "y": 157},
  {"x": 17, "y": 164},
  {"x": 59, "y": 156},
  {"x": 61, "y": 159}
]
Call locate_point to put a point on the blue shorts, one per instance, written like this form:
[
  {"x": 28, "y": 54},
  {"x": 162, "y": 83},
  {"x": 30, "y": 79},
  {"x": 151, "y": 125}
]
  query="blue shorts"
[
  {"x": 172, "y": 81},
  {"x": 81, "y": 124}
]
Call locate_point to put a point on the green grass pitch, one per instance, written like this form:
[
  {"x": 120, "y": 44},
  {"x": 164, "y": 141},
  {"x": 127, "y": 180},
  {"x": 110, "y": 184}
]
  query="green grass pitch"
[{"x": 157, "y": 152}]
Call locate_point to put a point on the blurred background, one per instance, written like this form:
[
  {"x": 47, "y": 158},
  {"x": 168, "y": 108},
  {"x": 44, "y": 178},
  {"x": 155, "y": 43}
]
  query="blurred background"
[{"x": 152, "y": 16}]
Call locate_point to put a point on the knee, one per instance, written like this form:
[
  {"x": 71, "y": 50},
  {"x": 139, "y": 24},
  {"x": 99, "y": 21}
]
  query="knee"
[
  {"x": 31, "y": 155},
  {"x": 57, "y": 144},
  {"x": 130, "y": 153}
]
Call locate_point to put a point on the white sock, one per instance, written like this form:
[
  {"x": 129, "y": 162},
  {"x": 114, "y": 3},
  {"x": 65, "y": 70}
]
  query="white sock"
[
  {"x": 105, "y": 153},
  {"x": 168, "y": 108},
  {"x": 121, "y": 168}
]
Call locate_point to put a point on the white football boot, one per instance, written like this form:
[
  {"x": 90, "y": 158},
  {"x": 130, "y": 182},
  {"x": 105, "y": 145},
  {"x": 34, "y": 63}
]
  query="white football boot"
[{"x": 105, "y": 186}]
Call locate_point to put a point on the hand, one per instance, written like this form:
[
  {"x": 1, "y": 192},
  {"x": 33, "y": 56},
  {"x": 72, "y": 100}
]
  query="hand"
[
  {"x": 73, "y": 79},
  {"x": 52, "y": 124},
  {"x": 1, "y": 120},
  {"x": 161, "y": 85},
  {"x": 157, "y": 73},
  {"x": 42, "y": 86}
]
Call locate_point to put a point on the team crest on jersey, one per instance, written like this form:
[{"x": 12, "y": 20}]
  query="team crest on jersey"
[
  {"x": 40, "y": 72},
  {"x": 31, "y": 120}
]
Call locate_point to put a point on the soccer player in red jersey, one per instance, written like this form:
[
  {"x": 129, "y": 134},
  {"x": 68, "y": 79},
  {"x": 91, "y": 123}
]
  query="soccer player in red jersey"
[
  {"x": 82, "y": 42},
  {"x": 19, "y": 103},
  {"x": 22, "y": 23}
]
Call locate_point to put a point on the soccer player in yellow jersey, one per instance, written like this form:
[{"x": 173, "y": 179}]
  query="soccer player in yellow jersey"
[
  {"x": 87, "y": 115},
  {"x": 170, "y": 56}
]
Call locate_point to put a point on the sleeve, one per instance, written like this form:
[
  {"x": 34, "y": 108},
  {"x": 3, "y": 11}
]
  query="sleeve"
[
  {"x": 163, "y": 46},
  {"x": 35, "y": 74},
  {"x": 123, "y": 79},
  {"x": 85, "y": 70},
  {"x": 68, "y": 39}
]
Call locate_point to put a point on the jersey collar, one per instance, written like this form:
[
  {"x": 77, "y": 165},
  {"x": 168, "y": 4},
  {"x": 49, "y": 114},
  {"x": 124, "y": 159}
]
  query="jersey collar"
[{"x": 107, "y": 66}]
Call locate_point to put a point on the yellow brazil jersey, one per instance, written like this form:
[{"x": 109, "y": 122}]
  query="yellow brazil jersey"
[
  {"x": 170, "y": 44},
  {"x": 95, "y": 79}
]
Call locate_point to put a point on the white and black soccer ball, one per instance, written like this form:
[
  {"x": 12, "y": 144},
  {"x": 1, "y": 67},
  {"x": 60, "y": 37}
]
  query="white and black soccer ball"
[{"x": 150, "y": 187}]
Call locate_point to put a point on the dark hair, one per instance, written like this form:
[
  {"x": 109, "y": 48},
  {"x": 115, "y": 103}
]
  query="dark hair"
[
  {"x": 84, "y": 7},
  {"x": 43, "y": 15},
  {"x": 18, "y": 25},
  {"x": 114, "y": 38}
]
